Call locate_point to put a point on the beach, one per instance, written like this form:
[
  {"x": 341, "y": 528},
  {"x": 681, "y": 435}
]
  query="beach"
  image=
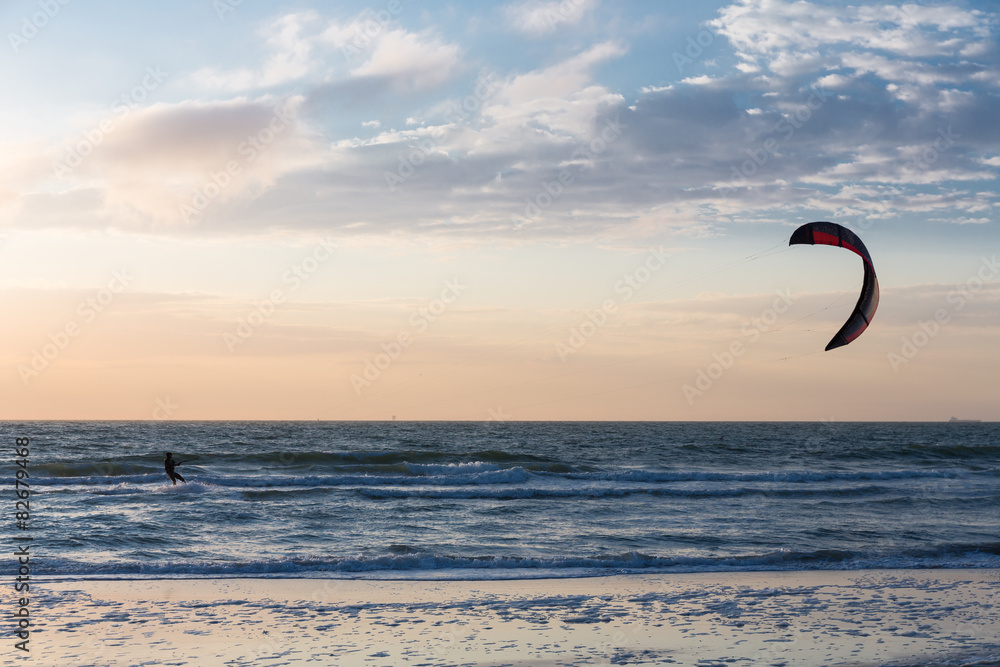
[
  {"x": 866, "y": 617},
  {"x": 534, "y": 544}
]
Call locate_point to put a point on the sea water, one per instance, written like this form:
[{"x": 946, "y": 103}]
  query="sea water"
[{"x": 505, "y": 499}]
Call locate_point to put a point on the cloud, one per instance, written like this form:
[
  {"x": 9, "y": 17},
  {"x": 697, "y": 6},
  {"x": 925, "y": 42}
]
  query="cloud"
[
  {"x": 158, "y": 160},
  {"x": 291, "y": 58},
  {"x": 833, "y": 81},
  {"x": 827, "y": 109},
  {"x": 911, "y": 48},
  {"x": 22, "y": 165},
  {"x": 536, "y": 19},
  {"x": 558, "y": 102},
  {"x": 764, "y": 29},
  {"x": 303, "y": 48},
  {"x": 410, "y": 61}
]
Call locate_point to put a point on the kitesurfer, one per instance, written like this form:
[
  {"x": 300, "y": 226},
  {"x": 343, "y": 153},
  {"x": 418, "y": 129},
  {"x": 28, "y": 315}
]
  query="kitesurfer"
[{"x": 169, "y": 464}]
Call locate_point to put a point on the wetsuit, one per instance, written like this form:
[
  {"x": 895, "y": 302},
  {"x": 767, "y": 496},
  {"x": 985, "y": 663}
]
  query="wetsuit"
[{"x": 169, "y": 464}]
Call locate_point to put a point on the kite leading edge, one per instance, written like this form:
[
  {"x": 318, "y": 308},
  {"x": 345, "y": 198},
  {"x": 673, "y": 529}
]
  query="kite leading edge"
[{"x": 830, "y": 233}]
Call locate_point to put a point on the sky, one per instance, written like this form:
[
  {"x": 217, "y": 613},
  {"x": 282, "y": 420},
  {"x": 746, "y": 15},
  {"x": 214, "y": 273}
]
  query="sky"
[{"x": 525, "y": 210}]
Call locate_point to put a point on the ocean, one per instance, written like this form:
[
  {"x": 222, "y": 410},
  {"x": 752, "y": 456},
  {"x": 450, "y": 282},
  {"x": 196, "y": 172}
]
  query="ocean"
[{"x": 468, "y": 500}]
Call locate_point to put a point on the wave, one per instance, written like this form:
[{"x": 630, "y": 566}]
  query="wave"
[
  {"x": 479, "y": 474},
  {"x": 428, "y": 565},
  {"x": 962, "y": 450},
  {"x": 521, "y": 493},
  {"x": 450, "y": 468},
  {"x": 506, "y": 476},
  {"x": 263, "y": 489},
  {"x": 770, "y": 476},
  {"x": 102, "y": 469},
  {"x": 369, "y": 457}
]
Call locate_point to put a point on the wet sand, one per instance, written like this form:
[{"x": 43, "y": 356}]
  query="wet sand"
[{"x": 877, "y": 617}]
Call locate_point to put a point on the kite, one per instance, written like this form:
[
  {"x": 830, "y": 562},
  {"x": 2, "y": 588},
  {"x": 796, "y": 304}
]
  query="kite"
[{"x": 830, "y": 233}]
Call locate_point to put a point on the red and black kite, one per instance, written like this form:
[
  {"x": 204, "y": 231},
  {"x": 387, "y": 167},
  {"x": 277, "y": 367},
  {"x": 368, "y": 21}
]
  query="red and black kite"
[{"x": 830, "y": 233}]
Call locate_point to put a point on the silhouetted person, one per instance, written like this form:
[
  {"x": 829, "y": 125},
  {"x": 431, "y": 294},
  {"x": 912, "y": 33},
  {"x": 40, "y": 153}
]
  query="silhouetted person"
[{"x": 169, "y": 464}]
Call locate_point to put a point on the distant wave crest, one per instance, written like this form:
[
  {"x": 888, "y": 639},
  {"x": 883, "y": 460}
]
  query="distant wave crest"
[{"x": 417, "y": 564}]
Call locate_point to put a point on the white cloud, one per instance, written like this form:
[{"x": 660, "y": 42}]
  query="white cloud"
[
  {"x": 899, "y": 71},
  {"x": 536, "y": 18},
  {"x": 565, "y": 77},
  {"x": 302, "y": 48},
  {"x": 703, "y": 80},
  {"x": 833, "y": 81},
  {"x": 156, "y": 159},
  {"x": 559, "y": 102},
  {"x": 768, "y": 28},
  {"x": 411, "y": 61},
  {"x": 290, "y": 58},
  {"x": 891, "y": 83},
  {"x": 964, "y": 221},
  {"x": 901, "y": 45}
]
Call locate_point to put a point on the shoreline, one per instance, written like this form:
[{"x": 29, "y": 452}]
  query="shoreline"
[
  {"x": 473, "y": 575},
  {"x": 801, "y": 617}
]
